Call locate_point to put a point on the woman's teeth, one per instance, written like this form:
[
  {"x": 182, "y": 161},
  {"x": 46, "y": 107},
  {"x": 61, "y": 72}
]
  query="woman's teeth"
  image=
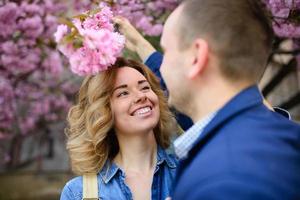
[{"x": 142, "y": 111}]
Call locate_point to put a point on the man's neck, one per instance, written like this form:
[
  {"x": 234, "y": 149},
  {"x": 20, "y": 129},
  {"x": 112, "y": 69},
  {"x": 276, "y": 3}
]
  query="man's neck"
[{"x": 213, "y": 99}]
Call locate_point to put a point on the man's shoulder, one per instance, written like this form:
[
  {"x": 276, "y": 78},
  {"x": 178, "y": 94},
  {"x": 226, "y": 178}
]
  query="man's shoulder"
[
  {"x": 260, "y": 118},
  {"x": 260, "y": 159},
  {"x": 252, "y": 140},
  {"x": 247, "y": 110},
  {"x": 242, "y": 136},
  {"x": 258, "y": 127}
]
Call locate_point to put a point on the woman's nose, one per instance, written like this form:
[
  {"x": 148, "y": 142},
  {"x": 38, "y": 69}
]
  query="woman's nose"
[{"x": 140, "y": 97}]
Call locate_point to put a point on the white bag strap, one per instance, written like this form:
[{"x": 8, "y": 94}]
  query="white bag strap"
[{"x": 90, "y": 187}]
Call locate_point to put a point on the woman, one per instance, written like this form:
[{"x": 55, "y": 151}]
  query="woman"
[{"x": 120, "y": 129}]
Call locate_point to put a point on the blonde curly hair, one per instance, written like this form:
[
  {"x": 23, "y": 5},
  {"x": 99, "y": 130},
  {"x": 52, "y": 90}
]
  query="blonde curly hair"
[{"x": 91, "y": 140}]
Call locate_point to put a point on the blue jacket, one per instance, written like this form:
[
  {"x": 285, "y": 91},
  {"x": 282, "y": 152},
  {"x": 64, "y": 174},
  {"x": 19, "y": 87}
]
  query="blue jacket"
[
  {"x": 112, "y": 186},
  {"x": 246, "y": 152}
]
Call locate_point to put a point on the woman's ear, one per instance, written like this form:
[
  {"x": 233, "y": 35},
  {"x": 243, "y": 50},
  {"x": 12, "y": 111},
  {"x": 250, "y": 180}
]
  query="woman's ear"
[{"x": 199, "y": 58}]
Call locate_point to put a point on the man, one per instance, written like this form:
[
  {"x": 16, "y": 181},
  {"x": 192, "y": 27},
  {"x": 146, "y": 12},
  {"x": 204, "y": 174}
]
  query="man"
[
  {"x": 214, "y": 54},
  {"x": 245, "y": 151}
]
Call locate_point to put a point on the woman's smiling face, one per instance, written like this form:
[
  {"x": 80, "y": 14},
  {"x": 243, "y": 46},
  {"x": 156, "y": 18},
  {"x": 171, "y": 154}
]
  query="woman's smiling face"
[{"x": 134, "y": 105}]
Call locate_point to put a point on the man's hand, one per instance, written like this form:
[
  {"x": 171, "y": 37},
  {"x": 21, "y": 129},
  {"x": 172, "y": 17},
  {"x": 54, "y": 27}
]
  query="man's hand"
[{"x": 134, "y": 40}]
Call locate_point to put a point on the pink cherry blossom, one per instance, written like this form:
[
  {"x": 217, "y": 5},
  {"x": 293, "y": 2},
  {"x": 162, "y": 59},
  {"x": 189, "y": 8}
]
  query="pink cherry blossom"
[
  {"x": 32, "y": 72},
  {"x": 285, "y": 24},
  {"x": 8, "y": 15},
  {"x": 101, "y": 45},
  {"x": 62, "y": 31},
  {"x": 146, "y": 15}
]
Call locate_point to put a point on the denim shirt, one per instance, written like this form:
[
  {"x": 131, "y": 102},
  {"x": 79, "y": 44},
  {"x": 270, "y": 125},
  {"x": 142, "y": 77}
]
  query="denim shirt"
[{"x": 112, "y": 186}]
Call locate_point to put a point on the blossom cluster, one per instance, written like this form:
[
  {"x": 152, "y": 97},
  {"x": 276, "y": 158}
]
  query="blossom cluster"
[
  {"x": 21, "y": 26},
  {"x": 286, "y": 17},
  {"x": 286, "y": 21},
  {"x": 90, "y": 44},
  {"x": 146, "y": 15},
  {"x": 32, "y": 74}
]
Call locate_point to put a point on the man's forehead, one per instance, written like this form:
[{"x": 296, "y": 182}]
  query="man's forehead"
[{"x": 171, "y": 25}]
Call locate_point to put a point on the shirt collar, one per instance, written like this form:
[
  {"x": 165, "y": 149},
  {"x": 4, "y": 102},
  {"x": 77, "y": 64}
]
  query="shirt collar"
[
  {"x": 162, "y": 157},
  {"x": 184, "y": 143},
  {"x": 110, "y": 169}
]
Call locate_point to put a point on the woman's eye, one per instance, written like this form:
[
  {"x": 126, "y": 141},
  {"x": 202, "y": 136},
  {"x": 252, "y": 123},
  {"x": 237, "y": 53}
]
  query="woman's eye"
[
  {"x": 146, "y": 88},
  {"x": 122, "y": 94}
]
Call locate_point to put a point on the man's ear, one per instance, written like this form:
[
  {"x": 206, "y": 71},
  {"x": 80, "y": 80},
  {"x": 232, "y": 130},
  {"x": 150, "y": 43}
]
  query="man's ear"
[{"x": 199, "y": 55}]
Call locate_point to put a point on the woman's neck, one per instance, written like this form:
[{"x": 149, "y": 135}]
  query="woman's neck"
[{"x": 137, "y": 153}]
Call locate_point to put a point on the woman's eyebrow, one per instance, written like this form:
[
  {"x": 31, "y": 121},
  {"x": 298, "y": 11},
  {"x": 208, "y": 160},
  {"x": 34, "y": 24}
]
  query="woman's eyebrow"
[
  {"x": 120, "y": 87},
  {"x": 125, "y": 85},
  {"x": 142, "y": 81}
]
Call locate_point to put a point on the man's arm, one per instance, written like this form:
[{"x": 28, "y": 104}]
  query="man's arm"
[
  {"x": 134, "y": 40},
  {"x": 137, "y": 43}
]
